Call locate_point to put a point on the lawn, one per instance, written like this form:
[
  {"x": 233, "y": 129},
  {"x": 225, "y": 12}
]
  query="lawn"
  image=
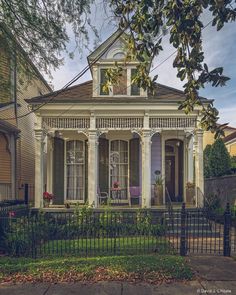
[
  {"x": 106, "y": 246},
  {"x": 149, "y": 268}
]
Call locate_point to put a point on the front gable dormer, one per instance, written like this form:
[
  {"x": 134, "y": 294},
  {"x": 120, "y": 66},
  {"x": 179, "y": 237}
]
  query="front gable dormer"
[{"x": 112, "y": 51}]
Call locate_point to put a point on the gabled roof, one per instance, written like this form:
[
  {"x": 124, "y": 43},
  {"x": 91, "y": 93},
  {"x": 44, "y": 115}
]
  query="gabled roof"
[
  {"x": 230, "y": 137},
  {"x": 104, "y": 45},
  {"x": 82, "y": 93},
  {"x": 9, "y": 128}
]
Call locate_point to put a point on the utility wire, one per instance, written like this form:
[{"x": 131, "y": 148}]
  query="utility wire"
[{"x": 78, "y": 76}]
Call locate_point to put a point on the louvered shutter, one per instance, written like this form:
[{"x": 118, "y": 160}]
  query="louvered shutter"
[
  {"x": 103, "y": 154},
  {"x": 134, "y": 161},
  {"x": 58, "y": 171}
]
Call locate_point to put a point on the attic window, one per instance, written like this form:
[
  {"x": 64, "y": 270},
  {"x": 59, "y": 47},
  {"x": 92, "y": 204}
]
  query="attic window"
[{"x": 119, "y": 55}]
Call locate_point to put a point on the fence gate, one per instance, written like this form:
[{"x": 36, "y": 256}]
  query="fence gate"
[{"x": 199, "y": 231}]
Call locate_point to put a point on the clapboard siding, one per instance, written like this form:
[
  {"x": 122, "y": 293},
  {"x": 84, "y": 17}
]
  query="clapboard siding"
[
  {"x": 5, "y": 161},
  {"x": 5, "y": 93},
  {"x": 156, "y": 155},
  {"x": 26, "y": 143}
]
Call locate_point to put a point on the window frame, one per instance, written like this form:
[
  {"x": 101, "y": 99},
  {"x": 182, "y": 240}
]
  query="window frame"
[{"x": 82, "y": 200}]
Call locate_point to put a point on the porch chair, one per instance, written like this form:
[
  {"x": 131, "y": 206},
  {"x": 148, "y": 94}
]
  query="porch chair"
[
  {"x": 135, "y": 194},
  {"x": 102, "y": 196}
]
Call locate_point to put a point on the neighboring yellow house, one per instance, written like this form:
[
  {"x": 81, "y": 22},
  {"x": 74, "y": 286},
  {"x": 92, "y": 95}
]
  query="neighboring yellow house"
[
  {"x": 17, "y": 142},
  {"x": 209, "y": 138},
  {"x": 230, "y": 142}
]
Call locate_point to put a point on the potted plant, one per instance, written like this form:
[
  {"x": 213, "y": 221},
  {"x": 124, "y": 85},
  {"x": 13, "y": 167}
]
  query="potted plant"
[
  {"x": 158, "y": 190},
  {"x": 47, "y": 197},
  {"x": 190, "y": 193},
  {"x": 116, "y": 185}
]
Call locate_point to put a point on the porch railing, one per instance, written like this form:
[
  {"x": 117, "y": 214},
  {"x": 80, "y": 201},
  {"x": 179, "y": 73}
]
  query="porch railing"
[
  {"x": 70, "y": 123},
  {"x": 119, "y": 123},
  {"x": 169, "y": 123}
]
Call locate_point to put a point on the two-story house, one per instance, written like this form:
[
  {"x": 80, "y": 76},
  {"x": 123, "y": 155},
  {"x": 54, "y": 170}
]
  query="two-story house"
[
  {"x": 117, "y": 145},
  {"x": 17, "y": 141}
]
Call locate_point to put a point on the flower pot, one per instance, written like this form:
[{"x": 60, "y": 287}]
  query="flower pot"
[
  {"x": 190, "y": 195},
  {"x": 158, "y": 195},
  {"x": 46, "y": 204}
]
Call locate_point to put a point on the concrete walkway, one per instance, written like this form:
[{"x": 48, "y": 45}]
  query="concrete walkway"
[{"x": 213, "y": 275}]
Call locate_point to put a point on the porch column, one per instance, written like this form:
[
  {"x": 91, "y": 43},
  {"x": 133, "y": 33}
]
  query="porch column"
[
  {"x": 199, "y": 168},
  {"x": 49, "y": 172},
  {"x": 146, "y": 169},
  {"x": 190, "y": 159},
  {"x": 39, "y": 145},
  {"x": 92, "y": 167}
]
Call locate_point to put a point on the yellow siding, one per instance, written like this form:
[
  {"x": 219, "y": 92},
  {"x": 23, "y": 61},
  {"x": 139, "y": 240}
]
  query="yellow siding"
[
  {"x": 26, "y": 142},
  {"x": 232, "y": 149},
  {"x": 5, "y": 161},
  {"x": 209, "y": 137},
  {"x": 5, "y": 94}
]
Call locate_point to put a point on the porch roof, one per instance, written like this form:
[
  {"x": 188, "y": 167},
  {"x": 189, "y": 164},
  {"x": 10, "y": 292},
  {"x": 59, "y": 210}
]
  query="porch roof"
[{"x": 82, "y": 93}]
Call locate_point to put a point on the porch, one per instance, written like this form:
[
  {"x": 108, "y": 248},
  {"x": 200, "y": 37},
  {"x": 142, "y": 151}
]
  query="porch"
[{"x": 118, "y": 162}]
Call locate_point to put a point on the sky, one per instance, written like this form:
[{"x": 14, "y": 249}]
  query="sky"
[{"x": 219, "y": 48}]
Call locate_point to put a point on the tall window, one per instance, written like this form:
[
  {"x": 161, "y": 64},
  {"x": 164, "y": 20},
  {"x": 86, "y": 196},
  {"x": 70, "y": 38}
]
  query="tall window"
[
  {"x": 135, "y": 90},
  {"x": 119, "y": 164},
  {"x": 75, "y": 170}
]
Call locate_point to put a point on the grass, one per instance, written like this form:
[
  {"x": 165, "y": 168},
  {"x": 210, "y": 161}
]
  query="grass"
[
  {"x": 150, "y": 268},
  {"x": 106, "y": 246}
]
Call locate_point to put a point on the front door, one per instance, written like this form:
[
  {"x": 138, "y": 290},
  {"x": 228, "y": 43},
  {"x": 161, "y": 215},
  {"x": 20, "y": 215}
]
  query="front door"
[{"x": 170, "y": 177}]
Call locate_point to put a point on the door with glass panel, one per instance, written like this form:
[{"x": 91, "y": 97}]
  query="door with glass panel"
[
  {"x": 75, "y": 170},
  {"x": 119, "y": 169}
]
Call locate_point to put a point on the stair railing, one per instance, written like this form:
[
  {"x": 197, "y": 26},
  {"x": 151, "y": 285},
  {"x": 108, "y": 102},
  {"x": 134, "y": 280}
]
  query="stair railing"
[{"x": 170, "y": 208}]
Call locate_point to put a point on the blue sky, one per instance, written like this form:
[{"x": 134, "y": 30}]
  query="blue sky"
[{"x": 219, "y": 47}]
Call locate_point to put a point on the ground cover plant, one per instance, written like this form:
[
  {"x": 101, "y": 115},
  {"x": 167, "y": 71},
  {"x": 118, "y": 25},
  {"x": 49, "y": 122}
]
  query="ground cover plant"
[{"x": 149, "y": 268}]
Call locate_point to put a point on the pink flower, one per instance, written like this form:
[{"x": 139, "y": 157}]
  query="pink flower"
[
  {"x": 47, "y": 196},
  {"x": 12, "y": 214}
]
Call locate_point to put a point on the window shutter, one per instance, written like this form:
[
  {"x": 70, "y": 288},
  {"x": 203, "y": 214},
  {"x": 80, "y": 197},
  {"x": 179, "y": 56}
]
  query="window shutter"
[
  {"x": 103, "y": 153},
  {"x": 86, "y": 170},
  {"x": 134, "y": 161},
  {"x": 135, "y": 90},
  {"x": 103, "y": 80},
  {"x": 121, "y": 87},
  {"x": 58, "y": 171}
]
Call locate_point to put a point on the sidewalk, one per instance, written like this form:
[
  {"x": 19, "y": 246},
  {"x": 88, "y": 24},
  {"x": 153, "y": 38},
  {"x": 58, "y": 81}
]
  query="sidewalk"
[{"x": 214, "y": 275}]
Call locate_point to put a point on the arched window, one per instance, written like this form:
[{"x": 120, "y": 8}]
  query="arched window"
[
  {"x": 119, "y": 55},
  {"x": 75, "y": 170}
]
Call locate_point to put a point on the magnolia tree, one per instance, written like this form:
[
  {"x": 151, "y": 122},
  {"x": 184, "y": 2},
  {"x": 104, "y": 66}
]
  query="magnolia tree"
[{"x": 41, "y": 28}]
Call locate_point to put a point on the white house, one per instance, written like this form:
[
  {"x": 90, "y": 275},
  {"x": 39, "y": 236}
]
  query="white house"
[{"x": 92, "y": 145}]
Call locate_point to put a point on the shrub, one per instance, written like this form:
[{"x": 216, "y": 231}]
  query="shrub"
[
  {"x": 206, "y": 156},
  {"x": 219, "y": 159}
]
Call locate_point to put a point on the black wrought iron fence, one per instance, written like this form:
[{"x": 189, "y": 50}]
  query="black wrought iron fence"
[
  {"x": 87, "y": 232},
  {"x": 13, "y": 208}
]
